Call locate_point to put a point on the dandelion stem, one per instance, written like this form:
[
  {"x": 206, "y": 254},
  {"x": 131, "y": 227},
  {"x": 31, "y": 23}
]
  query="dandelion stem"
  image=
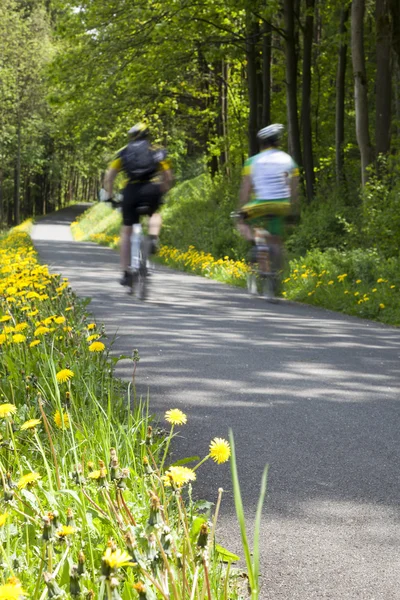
[
  {"x": 40, "y": 572},
  {"x": 166, "y": 448},
  {"x": 194, "y": 584},
  {"x": 130, "y": 516},
  {"x": 214, "y": 525},
  {"x": 154, "y": 582},
  {"x": 201, "y": 462},
  {"x": 97, "y": 507},
  {"x": 207, "y": 578},
  {"x": 46, "y": 426},
  {"x": 165, "y": 559}
]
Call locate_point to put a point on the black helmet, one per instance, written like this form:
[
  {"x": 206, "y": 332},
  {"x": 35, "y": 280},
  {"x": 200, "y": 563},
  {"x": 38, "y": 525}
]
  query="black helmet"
[
  {"x": 272, "y": 133},
  {"x": 139, "y": 131}
]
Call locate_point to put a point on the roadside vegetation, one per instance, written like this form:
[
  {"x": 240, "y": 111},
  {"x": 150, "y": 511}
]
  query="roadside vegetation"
[{"x": 91, "y": 506}]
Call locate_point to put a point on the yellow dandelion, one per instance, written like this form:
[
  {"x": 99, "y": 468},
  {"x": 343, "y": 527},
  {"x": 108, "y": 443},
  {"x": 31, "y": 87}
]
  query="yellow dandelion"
[
  {"x": 91, "y": 326},
  {"x": 66, "y": 530},
  {"x": 5, "y": 318},
  {"x": 220, "y": 450},
  {"x": 381, "y": 305},
  {"x": 21, "y": 326},
  {"x": 342, "y": 277},
  {"x": 59, "y": 320},
  {"x": 330, "y": 282},
  {"x": 28, "y": 480},
  {"x": 94, "y": 336},
  {"x": 6, "y": 410},
  {"x": 3, "y": 519},
  {"x": 356, "y": 293},
  {"x": 31, "y": 424},
  {"x": 358, "y": 281},
  {"x": 18, "y": 338},
  {"x": 179, "y": 476},
  {"x": 374, "y": 290},
  {"x": 3, "y": 338},
  {"x": 61, "y": 420},
  {"x": 12, "y": 590},
  {"x": 69, "y": 308},
  {"x": 392, "y": 287},
  {"x": 117, "y": 558},
  {"x": 380, "y": 280},
  {"x": 175, "y": 417},
  {"x": 64, "y": 375},
  {"x": 34, "y": 343},
  {"x": 96, "y": 347},
  {"x": 41, "y": 330},
  {"x": 97, "y": 474}
]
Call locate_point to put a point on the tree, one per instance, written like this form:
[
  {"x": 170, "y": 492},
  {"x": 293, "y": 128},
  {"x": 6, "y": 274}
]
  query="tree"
[{"x": 360, "y": 87}]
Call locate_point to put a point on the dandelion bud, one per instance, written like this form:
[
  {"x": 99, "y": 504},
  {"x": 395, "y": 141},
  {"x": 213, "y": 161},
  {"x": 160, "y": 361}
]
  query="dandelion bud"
[
  {"x": 47, "y": 533},
  {"x": 53, "y": 589},
  {"x": 90, "y": 595},
  {"x": 70, "y": 518},
  {"x": 203, "y": 536},
  {"x": 149, "y": 436},
  {"x": 124, "y": 474},
  {"x": 8, "y": 494},
  {"x": 135, "y": 355},
  {"x": 147, "y": 468},
  {"x": 74, "y": 587},
  {"x": 90, "y": 466},
  {"x": 152, "y": 547},
  {"x": 81, "y": 563},
  {"x": 54, "y": 517},
  {"x": 10, "y": 482},
  {"x": 114, "y": 469},
  {"x": 155, "y": 517},
  {"x": 102, "y": 464},
  {"x": 140, "y": 588}
]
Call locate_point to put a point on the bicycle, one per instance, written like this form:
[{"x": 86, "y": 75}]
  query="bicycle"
[
  {"x": 140, "y": 251},
  {"x": 265, "y": 258}
]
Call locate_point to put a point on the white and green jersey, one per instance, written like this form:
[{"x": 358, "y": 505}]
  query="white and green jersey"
[{"x": 270, "y": 173}]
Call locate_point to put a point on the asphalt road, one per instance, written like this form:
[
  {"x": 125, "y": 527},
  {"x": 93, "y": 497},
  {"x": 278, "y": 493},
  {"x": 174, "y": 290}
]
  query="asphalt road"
[{"x": 313, "y": 393}]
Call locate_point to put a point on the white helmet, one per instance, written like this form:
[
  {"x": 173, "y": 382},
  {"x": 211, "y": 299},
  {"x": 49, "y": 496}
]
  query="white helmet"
[{"x": 272, "y": 133}]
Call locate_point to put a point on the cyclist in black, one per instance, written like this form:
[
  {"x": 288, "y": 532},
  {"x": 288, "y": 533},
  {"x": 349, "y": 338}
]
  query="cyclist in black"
[{"x": 148, "y": 177}]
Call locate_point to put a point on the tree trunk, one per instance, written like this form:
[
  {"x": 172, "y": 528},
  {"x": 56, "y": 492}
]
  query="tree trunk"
[
  {"x": 306, "y": 100},
  {"x": 395, "y": 11},
  {"x": 17, "y": 176},
  {"x": 383, "y": 77},
  {"x": 360, "y": 86},
  {"x": 266, "y": 74},
  {"x": 340, "y": 95},
  {"x": 291, "y": 82},
  {"x": 252, "y": 31}
]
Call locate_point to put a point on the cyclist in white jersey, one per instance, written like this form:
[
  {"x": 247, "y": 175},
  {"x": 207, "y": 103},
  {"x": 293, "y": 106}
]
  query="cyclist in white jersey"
[{"x": 269, "y": 189}]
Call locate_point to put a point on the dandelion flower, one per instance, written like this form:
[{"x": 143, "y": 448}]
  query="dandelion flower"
[
  {"x": 117, "y": 558},
  {"x": 6, "y": 410},
  {"x": 382, "y": 306},
  {"x": 91, "y": 326},
  {"x": 64, "y": 375},
  {"x": 28, "y": 479},
  {"x": 94, "y": 336},
  {"x": 11, "y": 590},
  {"x": 175, "y": 417},
  {"x": 61, "y": 420},
  {"x": 65, "y": 531},
  {"x": 380, "y": 280},
  {"x": 3, "y": 338},
  {"x": 358, "y": 281},
  {"x": 3, "y": 519},
  {"x": 41, "y": 330},
  {"x": 330, "y": 282},
  {"x": 21, "y": 326},
  {"x": 18, "y": 338},
  {"x": 5, "y": 318},
  {"x": 34, "y": 343},
  {"x": 96, "y": 347},
  {"x": 59, "y": 320},
  {"x": 30, "y": 424},
  {"x": 220, "y": 450},
  {"x": 179, "y": 476},
  {"x": 99, "y": 473}
]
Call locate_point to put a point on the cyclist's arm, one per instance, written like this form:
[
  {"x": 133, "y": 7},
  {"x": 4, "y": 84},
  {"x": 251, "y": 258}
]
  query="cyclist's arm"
[
  {"x": 245, "y": 190},
  {"x": 111, "y": 173},
  {"x": 166, "y": 177}
]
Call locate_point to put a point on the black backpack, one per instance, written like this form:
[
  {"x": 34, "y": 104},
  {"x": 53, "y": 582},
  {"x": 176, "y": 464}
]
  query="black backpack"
[{"x": 140, "y": 161}]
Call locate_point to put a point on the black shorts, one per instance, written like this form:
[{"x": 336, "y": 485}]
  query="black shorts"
[{"x": 140, "y": 198}]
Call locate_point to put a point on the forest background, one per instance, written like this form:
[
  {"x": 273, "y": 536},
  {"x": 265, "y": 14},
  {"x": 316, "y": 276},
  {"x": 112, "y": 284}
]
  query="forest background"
[{"x": 206, "y": 75}]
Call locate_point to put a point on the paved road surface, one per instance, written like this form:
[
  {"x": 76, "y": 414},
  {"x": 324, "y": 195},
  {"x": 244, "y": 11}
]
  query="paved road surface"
[{"x": 314, "y": 394}]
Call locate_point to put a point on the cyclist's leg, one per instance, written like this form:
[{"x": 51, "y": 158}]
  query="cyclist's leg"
[{"x": 129, "y": 218}]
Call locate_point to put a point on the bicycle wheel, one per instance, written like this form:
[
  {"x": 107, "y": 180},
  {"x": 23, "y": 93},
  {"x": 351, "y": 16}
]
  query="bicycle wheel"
[{"x": 142, "y": 273}]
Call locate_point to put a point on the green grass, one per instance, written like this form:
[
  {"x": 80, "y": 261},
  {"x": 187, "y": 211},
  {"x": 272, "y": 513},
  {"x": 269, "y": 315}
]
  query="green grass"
[{"x": 90, "y": 505}]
